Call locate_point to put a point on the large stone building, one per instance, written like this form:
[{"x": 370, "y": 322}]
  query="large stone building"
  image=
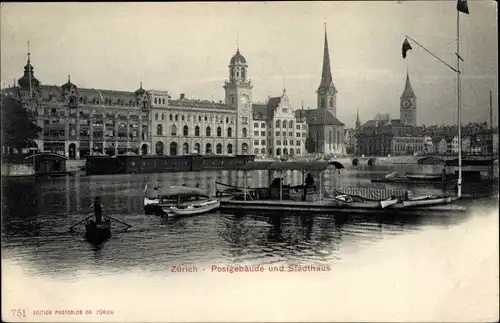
[
  {"x": 325, "y": 129},
  {"x": 77, "y": 122}
]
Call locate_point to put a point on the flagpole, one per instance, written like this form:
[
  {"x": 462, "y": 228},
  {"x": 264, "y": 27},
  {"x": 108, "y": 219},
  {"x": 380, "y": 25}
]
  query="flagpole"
[
  {"x": 29, "y": 67},
  {"x": 459, "y": 182}
]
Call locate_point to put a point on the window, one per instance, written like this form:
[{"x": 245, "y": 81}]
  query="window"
[
  {"x": 227, "y": 120},
  {"x": 208, "y": 132},
  {"x": 278, "y": 151},
  {"x": 278, "y": 124},
  {"x": 199, "y": 118},
  {"x": 263, "y": 151},
  {"x": 197, "y": 131},
  {"x": 156, "y": 100},
  {"x": 206, "y": 118},
  {"x": 182, "y": 117},
  {"x": 162, "y": 117},
  {"x": 263, "y": 142},
  {"x": 185, "y": 131},
  {"x": 229, "y": 149},
  {"x": 156, "y": 116},
  {"x": 197, "y": 148},
  {"x": 290, "y": 125},
  {"x": 219, "y": 132},
  {"x": 263, "y": 133},
  {"x": 208, "y": 149},
  {"x": 244, "y": 148},
  {"x": 170, "y": 117},
  {"x": 256, "y": 142},
  {"x": 185, "y": 148},
  {"x": 297, "y": 143},
  {"x": 174, "y": 130},
  {"x": 256, "y": 151},
  {"x": 297, "y": 134},
  {"x": 255, "y": 125},
  {"x": 277, "y": 133},
  {"x": 331, "y": 102},
  {"x": 278, "y": 142},
  {"x": 290, "y": 134},
  {"x": 218, "y": 149},
  {"x": 262, "y": 125},
  {"x": 284, "y": 124},
  {"x": 229, "y": 132},
  {"x": 163, "y": 100},
  {"x": 176, "y": 117},
  {"x": 322, "y": 103},
  {"x": 284, "y": 133},
  {"x": 297, "y": 127},
  {"x": 159, "y": 130},
  {"x": 244, "y": 132},
  {"x": 173, "y": 149},
  {"x": 256, "y": 133}
]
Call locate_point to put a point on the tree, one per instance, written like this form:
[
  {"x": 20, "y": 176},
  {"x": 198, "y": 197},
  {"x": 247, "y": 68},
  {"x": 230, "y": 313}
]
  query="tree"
[
  {"x": 310, "y": 145},
  {"x": 18, "y": 131}
]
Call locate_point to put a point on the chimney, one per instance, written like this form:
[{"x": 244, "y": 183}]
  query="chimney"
[{"x": 182, "y": 96}]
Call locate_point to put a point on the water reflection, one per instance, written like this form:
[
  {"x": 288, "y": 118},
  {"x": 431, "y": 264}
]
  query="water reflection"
[{"x": 36, "y": 217}]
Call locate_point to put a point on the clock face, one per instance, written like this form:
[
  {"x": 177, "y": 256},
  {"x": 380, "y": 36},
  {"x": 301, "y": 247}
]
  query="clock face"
[{"x": 406, "y": 103}]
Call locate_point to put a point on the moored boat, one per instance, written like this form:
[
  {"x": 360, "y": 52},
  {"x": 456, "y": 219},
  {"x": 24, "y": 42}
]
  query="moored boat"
[
  {"x": 428, "y": 201},
  {"x": 97, "y": 233},
  {"x": 358, "y": 202},
  {"x": 179, "y": 200},
  {"x": 427, "y": 177}
]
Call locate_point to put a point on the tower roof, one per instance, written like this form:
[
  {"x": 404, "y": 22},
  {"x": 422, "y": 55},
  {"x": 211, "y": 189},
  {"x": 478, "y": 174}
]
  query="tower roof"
[
  {"x": 24, "y": 81},
  {"x": 68, "y": 85},
  {"x": 238, "y": 59},
  {"x": 326, "y": 74},
  {"x": 408, "y": 91}
]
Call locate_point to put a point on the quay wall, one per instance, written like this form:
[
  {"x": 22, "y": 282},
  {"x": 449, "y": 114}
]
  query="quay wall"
[
  {"x": 96, "y": 165},
  {"x": 9, "y": 169}
]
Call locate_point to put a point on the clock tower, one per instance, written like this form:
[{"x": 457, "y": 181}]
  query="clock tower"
[
  {"x": 239, "y": 97},
  {"x": 408, "y": 105},
  {"x": 327, "y": 93}
]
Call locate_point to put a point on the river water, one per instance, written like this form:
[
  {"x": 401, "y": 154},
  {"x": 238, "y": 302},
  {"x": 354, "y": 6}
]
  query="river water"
[{"x": 365, "y": 268}]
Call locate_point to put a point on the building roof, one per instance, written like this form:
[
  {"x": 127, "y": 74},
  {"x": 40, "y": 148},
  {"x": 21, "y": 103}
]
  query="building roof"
[
  {"x": 259, "y": 111},
  {"x": 238, "y": 59},
  {"x": 326, "y": 73},
  {"x": 408, "y": 91},
  {"x": 321, "y": 117},
  {"x": 199, "y": 104}
]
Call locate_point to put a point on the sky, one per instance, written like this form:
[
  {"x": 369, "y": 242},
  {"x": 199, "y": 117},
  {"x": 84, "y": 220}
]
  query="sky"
[{"x": 186, "y": 48}]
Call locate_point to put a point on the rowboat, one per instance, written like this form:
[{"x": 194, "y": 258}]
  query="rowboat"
[
  {"x": 179, "y": 201},
  {"x": 193, "y": 208},
  {"x": 97, "y": 233},
  {"x": 428, "y": 201},
  {"x": 424, "y": 176},
  {"x": 358, "y": 202}
]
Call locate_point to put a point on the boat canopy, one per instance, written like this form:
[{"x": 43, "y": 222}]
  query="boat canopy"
[
  {"x": 177, "y": 191},
  {"x": 291, "y": 165}
]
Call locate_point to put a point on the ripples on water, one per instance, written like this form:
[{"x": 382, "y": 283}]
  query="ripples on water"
[{"x": 36, "y": 218}]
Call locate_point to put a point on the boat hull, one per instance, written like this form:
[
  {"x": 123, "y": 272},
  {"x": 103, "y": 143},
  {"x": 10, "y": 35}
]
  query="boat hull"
[
  {"x": 347, "y": 201},
  {"x": 428, "y": 201},
  {"x": 97, "y": 233},
  {"x": 193, "y": 208}
]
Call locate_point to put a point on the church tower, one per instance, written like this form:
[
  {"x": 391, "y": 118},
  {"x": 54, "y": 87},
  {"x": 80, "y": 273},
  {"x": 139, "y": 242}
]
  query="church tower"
[
  {"x": 327, "y": 93},
  {"x": 358, "y": 123},
  {"x": 408, "y": 105},
  {"x": 239, "y": 97}
]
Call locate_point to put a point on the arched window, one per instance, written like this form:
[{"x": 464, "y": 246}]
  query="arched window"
[
  {"x": 244, "y": 148},
  {"x": 292, "y": 152},
  {"x": 243, "y": 73},
  {"x": 244, "y": 132},
  {"x": 170, "y": 117},
  {"x": 185, "y": 131},
  {"x": 208, "y": 149},
  {"x": 185, "y": 149},
  {"x": 227, "y": 120},
  {"x": 156, "y": 100},
  {"x": 290, "y": 125},
  {"x": 208, "y": 132},
  {"x": 159, "y": 148},
  {"x": 197, "y": 131},
  {"x": 278, "y": 124},
  {"x": 174, "y": 130},
  {"x": 173, "y": 149},
  {"x": 285, "y": 151},
  {"x": 229, "y": 148},
  {"x": 229, "y": 132},
  {"x": 159, "y": 130},
  {"x": 331, "y": 102},
  {"x": 163, "y": 100},
  {"x": 219, "y": 132},
  {"x": 199, "y": 118},
  {"x": 322, "y": 102},
  {"x": 218, "y": 149},
  {"x": 176, "y": 117},
  {"x": 156, "y": 116},
  {"x": 284, "y": 124},
  {"x": 182, "y": 117},
  {"x": 162, "y": 117},
  {"x": 197, "y": 148},
  {"x": 278, "y": 152}
]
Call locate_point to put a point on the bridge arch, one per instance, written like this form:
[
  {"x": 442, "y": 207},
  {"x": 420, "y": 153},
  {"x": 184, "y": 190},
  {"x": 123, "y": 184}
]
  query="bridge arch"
[
  {"x": 355, "y": 161},
  {"x": 371, "y": 161}
]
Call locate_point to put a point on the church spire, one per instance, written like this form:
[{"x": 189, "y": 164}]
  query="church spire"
[
  {"x": 408, "y": 91},
  {"x": 358, "y": 123},
  {"x": 326, "y": 74}
]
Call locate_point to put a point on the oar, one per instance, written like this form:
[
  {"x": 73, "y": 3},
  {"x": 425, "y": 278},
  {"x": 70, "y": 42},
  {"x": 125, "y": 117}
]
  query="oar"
[
  {"x": 74, "y": 225},
  {"x": 128, "y": 225}
]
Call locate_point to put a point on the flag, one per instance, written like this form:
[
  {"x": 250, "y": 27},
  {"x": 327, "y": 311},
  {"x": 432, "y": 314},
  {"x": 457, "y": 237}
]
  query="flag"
[
  {"x": 462, "y": 6},
  {"x": 406, "y": 47}
]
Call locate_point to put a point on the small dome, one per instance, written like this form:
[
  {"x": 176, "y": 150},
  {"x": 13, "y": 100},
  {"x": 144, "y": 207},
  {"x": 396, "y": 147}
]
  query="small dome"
[
  {"x": 24, "y": 81},
  {"x": 68, "y": 85},
  {"x": 140, "y": 91},
  {"x": 238, "y": 59}
]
